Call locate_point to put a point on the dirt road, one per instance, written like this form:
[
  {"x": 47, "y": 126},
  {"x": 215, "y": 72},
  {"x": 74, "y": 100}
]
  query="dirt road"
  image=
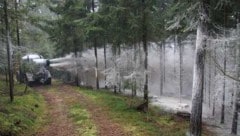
[{"x": 58, "y": 98}]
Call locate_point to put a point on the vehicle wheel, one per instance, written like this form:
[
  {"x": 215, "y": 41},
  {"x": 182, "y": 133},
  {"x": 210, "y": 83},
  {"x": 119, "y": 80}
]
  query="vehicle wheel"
[{"x": 48, "y": 81}]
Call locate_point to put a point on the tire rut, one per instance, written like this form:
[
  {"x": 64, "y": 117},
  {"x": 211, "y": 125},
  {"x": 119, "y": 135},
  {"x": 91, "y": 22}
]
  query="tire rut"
[
  {"x": 61, "y": 125},
  {"x": 105, "y": 126}
]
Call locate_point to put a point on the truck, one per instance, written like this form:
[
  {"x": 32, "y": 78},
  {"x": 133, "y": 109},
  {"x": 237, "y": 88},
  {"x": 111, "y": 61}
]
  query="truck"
[{"x": 34, "y": 69}]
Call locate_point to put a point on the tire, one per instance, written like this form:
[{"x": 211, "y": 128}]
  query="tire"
[{"x": 48, "y": 81}]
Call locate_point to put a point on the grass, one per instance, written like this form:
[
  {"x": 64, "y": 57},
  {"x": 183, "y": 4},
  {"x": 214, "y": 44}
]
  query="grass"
[
  {"x": 82, "y": 119},
  {"x": 121, "y": 110},
  {"x": 24, "y": 115}
]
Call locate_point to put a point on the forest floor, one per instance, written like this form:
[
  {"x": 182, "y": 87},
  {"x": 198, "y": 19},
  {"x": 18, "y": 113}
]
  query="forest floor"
[
  {"x": 77, "y": 111},
  {"x": 173, "y": 105},
  {"x": 63, "y": 109}
]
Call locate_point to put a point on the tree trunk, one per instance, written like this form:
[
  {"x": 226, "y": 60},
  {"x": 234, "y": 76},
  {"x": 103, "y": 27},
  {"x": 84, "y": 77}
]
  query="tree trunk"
[
  {"x": 95, "y": 52},
  {"x": 180, "y": 69},
  {"x": 209, "y": 79},
  {"x": 164, "y": 63},
  {"x": 198, "y": 73},
  {"x": 215, "y": 74},
  {"x": 237, "y": 93},
  {"x": 17, "y": 24},
  {"x": 119, "y": 76},
  {"x": 105, "y": 65},
  {"x": 76, "y": 69},
  {"x": 134, "y": 82},
  {"x": 96, "y": 64},
  {"x": 9, "y": 53},
  {"x": 93, "y": 6},
  {"x": 145, "y": 49},
  {"x": 115, "y": 68},
  {"x": 161, "y": 69},
  {"x": 224, "y": 87},
  {"x": 174, "y": 56},
  {"x": 205, "y": 81}
]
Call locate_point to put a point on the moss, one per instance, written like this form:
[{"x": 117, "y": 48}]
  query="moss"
[{"x": 24, "y": 115}]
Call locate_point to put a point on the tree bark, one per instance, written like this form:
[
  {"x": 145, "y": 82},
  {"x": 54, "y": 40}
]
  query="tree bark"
[
  {"x": 115, "y": 68},
  {"x": 224, "y": 87},
  {"x": 215, "y": 74},
  {"x": 209, "y": 79},
  {"x": 119, "y": 76},
  {"x": 9, "y": 53},
  {"x": 96, "y": 64},
  {"x": 161, "y": 69},
  {"x": 164, "y": 63},
  {"x": 198, "y": 73},
  {"x": 95, "y": 52},
  {"x": 174, "y": 56},
  {"x": 105, "y": 65},
  {"x": 134, "y": 82},
  {"x": 17, "y": 24},
  {"x": 145, "y": 49},
  {"x": 180, "y": 69},
  {"x": 237, "y": 93},
  {"x": 76, "y": 67}
]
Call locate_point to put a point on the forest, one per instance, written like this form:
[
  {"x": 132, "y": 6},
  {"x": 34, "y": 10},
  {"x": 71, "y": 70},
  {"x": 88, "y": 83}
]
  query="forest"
[{"x": 119, "y": 67}]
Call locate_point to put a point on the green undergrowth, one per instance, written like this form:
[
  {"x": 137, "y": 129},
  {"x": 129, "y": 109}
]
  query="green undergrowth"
[
  {"x": 83, "y": 120},
  {"x": 24, "y": 115},
  {"x": 122, "y": 109}
]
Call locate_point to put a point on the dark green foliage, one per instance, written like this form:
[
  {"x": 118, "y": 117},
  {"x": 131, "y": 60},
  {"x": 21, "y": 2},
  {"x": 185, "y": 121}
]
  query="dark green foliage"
[{"x": 65, "y": 31}]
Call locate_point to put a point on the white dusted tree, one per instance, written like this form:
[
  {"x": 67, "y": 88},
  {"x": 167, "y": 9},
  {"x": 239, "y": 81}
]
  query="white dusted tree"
[
  {"x": 237, "y": 93},
  {"x": 198, "y": 73}
]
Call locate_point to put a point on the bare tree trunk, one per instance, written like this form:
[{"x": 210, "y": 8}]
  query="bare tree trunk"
[
  {"x": 209, "y": 79},
  {"x": 119, "y": 81},
  {"x": 205, "y": 81},
  {"x": 105, "y": 65},
  {"x": 180, "y": 69},
  {"x": 96, "y": 64},
  {"x": 76, "y": 69},
  {"x": 134, "y": 91},
  {"x": 161, "y": 69},
  {"x": 198, "y": 73},
  {"x": 115, "y": 68},
  {"x": 237, "y": 93},
  {"x": 17, "y": 24},
  {"x": 224, "y": 87},
  {"x": 95, "y": 52},
  {"x": 174, "y": 56},
  {"x": 164, "y": 62},
  {"x": 9, "y": 54},
  {"x": 215, "y": 74},
  {"x": 145, "y": 48},
  {"x": 234, "y": 82}
]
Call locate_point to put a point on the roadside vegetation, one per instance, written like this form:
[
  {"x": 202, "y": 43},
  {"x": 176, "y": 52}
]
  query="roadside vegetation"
[
  {"x": 25, "y": 115},
  {"x": 122, "y": 110}
]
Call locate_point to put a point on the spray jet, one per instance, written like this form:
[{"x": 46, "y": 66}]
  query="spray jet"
[{"x": 35, "y": 69}]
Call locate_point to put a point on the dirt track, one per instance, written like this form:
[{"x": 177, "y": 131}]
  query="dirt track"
[{"x": 61, "y": 125}]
